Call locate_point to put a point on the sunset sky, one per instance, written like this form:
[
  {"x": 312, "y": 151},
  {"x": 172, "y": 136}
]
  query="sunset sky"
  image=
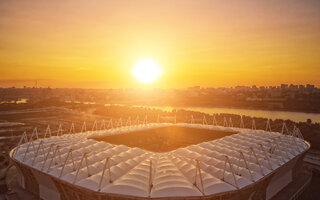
[{"x": 213, "y": 43}]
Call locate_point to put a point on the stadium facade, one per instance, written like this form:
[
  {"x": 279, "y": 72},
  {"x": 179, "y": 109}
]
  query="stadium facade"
[{"x": 150, "y": 161}]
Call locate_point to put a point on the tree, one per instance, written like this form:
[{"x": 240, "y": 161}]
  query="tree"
[{"x": 309, "y": 121}]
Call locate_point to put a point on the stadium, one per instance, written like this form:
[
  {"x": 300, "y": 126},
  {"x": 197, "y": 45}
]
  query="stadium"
[{"x": 160, "y": 161}]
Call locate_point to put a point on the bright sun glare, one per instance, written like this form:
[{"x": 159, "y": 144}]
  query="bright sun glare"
[{"x": 146, "y": 70}]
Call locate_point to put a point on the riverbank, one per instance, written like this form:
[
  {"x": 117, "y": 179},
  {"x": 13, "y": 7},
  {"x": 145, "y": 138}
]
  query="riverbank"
[
  {"x": 265, "y": 113},
  {"x": 270, "y": 114}
]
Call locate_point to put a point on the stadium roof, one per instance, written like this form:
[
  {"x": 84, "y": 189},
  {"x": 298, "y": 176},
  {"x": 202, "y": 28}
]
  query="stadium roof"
[{"x": 208, "y": 168}]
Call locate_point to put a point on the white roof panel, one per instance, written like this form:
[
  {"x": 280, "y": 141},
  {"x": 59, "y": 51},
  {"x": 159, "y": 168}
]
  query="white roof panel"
[{"x": 207, "y": 168}]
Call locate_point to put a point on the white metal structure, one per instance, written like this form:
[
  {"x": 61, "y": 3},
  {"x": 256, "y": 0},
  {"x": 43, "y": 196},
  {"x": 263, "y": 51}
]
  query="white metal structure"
[{"x": 224, "y": 165}]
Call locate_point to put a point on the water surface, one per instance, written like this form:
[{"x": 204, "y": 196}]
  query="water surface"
[{"x": 270, "y": 114}]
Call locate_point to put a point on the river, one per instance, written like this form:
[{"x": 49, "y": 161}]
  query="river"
[{"x": 271, "y": 114}]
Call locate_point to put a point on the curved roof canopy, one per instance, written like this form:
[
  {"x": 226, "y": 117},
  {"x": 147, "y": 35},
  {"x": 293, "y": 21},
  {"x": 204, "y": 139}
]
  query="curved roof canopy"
[{"x": 203, "y": 169}]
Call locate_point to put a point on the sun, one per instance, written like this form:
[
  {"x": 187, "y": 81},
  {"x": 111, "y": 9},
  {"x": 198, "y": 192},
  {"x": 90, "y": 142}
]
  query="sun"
[{"x": 146, "y": 71}]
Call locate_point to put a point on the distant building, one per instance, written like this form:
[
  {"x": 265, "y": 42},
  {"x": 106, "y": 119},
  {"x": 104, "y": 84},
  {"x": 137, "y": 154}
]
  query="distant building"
[
  {"x": 310, "y": 86},
  {"x": 293, "y": 87},
  {"x": 284, "y": 86}
]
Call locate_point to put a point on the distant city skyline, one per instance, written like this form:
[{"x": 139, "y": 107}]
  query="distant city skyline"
[{"x": 50, "y": 83}]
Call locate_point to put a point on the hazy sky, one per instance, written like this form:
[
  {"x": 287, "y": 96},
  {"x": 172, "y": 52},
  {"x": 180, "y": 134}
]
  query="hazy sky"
[{"x": 75, "y": 43}]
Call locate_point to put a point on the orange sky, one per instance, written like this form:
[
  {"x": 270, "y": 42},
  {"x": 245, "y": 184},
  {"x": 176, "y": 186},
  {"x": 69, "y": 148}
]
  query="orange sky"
[{"x": 213, "y": 43}]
